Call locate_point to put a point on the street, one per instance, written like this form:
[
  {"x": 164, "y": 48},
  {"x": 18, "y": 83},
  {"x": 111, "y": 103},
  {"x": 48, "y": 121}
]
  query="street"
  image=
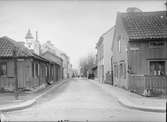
[{"x": 80, "y": 100}]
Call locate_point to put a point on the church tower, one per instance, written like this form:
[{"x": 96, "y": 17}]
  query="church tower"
[
  {"x": 32, "y": 43},
  {"x": 37, "y": 46},
  {"x": 29, "y": 40}
]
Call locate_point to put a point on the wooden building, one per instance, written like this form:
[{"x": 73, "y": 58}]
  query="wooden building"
[
  {"x": 140, "y": 52},
  {"x": 20, "y": 68},
  {"x": 56, "y": 67},
  {"x": 104, "y": 56},
  {"x": 100, "y": 59}
]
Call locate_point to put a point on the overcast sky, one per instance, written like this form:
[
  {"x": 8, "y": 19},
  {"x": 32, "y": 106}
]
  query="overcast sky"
[{"x": 73, "y": 26}]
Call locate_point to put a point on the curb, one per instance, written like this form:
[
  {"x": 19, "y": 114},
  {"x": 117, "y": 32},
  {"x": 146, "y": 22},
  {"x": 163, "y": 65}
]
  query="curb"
[
  {"x": 130, "y": 105},
  {"x": 133, "y": 106},
  {"x": 29, "y": 103}
]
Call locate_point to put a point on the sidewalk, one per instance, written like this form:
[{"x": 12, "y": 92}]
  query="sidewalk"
[
  {"x": 8, "y": 101},
  {"x": 132, "y": 100}
]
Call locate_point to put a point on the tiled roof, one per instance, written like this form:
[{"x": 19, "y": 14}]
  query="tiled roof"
[
  {"x": 7, "y": 47},
  {"x": 145, "y": 25}
]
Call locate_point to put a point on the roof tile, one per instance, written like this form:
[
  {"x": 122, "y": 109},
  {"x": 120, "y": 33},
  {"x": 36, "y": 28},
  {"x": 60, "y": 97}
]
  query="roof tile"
[{"x": 144, "y": 25}]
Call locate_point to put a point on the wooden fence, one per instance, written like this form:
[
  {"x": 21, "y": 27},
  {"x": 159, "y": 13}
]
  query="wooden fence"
[{"x": 155, "y": 84}]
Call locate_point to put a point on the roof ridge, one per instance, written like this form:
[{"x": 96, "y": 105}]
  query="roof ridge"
[
  {"x": 145, "y": 25},
  {"x": 141, "y": 12}
]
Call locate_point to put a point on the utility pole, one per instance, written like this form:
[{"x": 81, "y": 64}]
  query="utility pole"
[{"x": 15, "y": 69}]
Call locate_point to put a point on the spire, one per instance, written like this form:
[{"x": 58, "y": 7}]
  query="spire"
[{"x": 29, "y": 35}]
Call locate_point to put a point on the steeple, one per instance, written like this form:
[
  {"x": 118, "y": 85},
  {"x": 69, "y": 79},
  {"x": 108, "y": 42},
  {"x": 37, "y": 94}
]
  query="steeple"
[
  {"x": 36, "y": 35},
  {"x": 29, "y": 35}
]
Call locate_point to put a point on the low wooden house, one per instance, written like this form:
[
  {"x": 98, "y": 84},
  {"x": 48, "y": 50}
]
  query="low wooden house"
[
  {"x": 20, "y": 68},
  {"x": 140, "y": 52},
  {"x": 56, "y": 70}
]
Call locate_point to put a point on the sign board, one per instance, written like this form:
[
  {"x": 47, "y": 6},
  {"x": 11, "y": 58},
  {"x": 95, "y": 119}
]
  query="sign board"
[{"x": 20, "y": 59}]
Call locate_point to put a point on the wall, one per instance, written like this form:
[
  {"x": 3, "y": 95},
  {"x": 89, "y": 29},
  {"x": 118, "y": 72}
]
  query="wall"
[
  {"x": 8, "y": 82},
  {"x": 120, "y": 56},
  {"x": 100, "y": 60},
  {"x": 108, "y": 40},
  {"x": 140, "y": 54}
]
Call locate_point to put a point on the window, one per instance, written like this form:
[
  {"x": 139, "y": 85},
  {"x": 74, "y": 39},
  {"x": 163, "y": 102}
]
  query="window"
[
  {"x": 156, "y": 44},
  {"x": 115, "y": 71},
  {"x": 157, "y": 67},
  {"x": 121, "y": 70},
  {"x": 119, "y": 43},
  {"x": 33, "y": 70},
  {"x": 3, "y": 69},
  {"x": 37, "y": 70}
]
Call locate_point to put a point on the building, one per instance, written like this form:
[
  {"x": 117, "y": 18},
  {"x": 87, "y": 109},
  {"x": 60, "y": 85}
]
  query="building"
[
  {"x": 20, "y": 68},
  {"x": 56, "y": 68},
  {"x": 104, "y": 56},
  {"x": 65, "y": 65},
  {"x": 48, "y": 46},
  {"x": 140, "y": 52},
  {"x": 100, "y": 60},
  {"x": 31, "y": 43},
  {"x": 70, "y": 70},
  {"x": 108, "y": 41}
]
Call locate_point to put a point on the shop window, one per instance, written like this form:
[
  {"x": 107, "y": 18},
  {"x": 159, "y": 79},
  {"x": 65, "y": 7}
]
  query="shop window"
[
  {"x": 157, "y": 67},
  {"x": 3, "y": 69}
]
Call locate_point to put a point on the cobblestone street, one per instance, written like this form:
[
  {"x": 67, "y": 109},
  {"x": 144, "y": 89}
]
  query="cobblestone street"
[{"x": 81, "y": 100}]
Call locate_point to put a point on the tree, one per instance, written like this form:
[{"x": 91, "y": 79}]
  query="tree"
[{"x": 86, "y": 63}]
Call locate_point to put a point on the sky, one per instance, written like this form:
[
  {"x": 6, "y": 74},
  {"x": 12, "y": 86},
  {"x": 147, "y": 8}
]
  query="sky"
[{"x": 73, "y": 26}]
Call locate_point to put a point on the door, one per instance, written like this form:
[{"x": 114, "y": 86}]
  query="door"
[{"x": 21, "y": 75}]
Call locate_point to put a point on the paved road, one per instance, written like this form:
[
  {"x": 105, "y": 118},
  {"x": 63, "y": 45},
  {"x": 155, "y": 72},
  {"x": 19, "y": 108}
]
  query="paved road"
[{"x": 81, "y": 100}]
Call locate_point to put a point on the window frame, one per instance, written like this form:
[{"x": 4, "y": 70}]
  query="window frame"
[
  {"x": 115, "y": 66},
  {"x": 3, "y": 63},
  {"x": 164, "y": 61},
  {"x": 161, "y": 46}
]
